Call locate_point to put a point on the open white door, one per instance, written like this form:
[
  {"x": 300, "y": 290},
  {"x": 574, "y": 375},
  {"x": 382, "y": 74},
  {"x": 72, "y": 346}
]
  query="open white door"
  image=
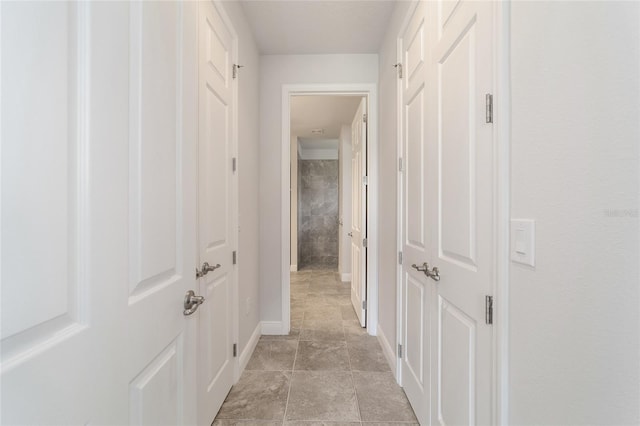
[
  {"x": 359, "y": 212},
  {"x": 416, "y": 236},
  {"x": 98, "y": 208},
  {"x": 460, "y": 177},
  {"x": 216, "y": 211}
]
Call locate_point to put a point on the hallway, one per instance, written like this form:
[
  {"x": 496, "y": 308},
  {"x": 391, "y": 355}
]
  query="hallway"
[{"x": 327, "y": 370}]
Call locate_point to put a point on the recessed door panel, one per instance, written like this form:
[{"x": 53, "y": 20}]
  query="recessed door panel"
[
  {"x": 154, "y": 395},
  {"x": 456, "y": 378},
  {"x": 155, "y": 147},
  {"x": 44, "y": 177},
  {"x": 415, "y": 176},
  {"x": 457, "y": 147},
  {"x": 216, "y": 314},
  {"x": 416, "y": 309},
  {"x": 215, "y": 148}
]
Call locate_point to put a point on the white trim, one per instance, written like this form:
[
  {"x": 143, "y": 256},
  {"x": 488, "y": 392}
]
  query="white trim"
[
  {"x": 345, "y": 277},
  {"x": 388, "y": 351},
  {"x": 272, "y": 328},
  {"x": 294, "y": 268},
  {"x": 246, "y": 353},
  {"x": 502, "y": 213},
  {"x": 370, "y": 91}
]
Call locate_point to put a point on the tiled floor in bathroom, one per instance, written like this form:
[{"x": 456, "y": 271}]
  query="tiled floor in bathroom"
[{"x": 327, "y": 371}]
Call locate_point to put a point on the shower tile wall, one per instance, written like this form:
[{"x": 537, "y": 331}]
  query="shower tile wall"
[{"x": 318, "y": 214}]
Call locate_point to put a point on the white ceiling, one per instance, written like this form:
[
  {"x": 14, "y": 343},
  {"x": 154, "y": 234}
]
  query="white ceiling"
[
  {"x": 318, "y": 27},
  {"x": 322, "y": 112}
]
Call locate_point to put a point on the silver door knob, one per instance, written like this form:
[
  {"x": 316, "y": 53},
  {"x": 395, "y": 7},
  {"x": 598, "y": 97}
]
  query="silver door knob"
[
  {"x": 191, "y": 302},
  {"x": 206, "y": 268},
  {"x": 350, "y": 234},
  {"x": 423, "y": 268}
]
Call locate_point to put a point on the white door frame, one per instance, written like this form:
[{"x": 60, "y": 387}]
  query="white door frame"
[
  {"x": 501, "y": 215},
  {"x": 370, "y": 92}
]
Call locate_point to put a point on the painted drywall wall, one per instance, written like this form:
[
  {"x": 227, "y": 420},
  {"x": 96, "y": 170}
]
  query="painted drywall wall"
[
  {"x": 248, "y": 113},
  {"x": 575, "y": 131},
  {"x": 388, "y": 171},
  {"x": 294, "y": 204},
  {"x": 276, "y": 70},
  {"x": 344, "y": 203}
]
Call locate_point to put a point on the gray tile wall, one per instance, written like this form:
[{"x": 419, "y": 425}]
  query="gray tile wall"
[{"x": 318, "y": 214}]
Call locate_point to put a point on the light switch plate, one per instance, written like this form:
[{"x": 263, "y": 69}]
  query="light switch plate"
[{"x": 523, "y": 241}]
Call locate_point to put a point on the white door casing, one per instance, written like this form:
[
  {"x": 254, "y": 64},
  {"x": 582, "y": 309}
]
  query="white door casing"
[
  {"x": 217, "y": 198},
  {"x": 416, "y": 287},
  {"x": 460, "y": 178},
  {"x": 359, "y": 212},
  {"x": 97, "y": 199}
]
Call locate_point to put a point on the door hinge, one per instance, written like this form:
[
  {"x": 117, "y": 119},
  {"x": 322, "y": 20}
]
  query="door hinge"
[
  {"x": 235, "y": 257},
  {"x": 398, "y": 66},
  {"x": 364, "y": 118},
  {"x": 400, "y": 164},
  {"x": 235, "y": 350},
  {"x": 399, "y": 350},
  {"x": 400, "y": 258},
  {"x": 364, "y": 242},
  {"x": 365, "y": 180},
  {"x": 489, "y": 107},
  {"x": 364, "y": 305},
  {"x": 488, "y": 309},
  {"x": 234, "y": 162},
  {"x": 236, "y": 68}
]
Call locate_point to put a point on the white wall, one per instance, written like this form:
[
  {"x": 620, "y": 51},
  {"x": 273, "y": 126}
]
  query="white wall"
[
  {"x": 294, "y": 203},
  {"x": 248, "y": 113},
  {"x": 575, "y": 136},
  {"x": 388, "y": 177},
  {"x": 276, "y": 70},
  {"x": 344, "y": 202}
]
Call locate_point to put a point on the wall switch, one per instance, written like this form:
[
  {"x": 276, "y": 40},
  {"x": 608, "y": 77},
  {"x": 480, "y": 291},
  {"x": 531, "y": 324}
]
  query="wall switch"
[{"x": 523, "y": 241}]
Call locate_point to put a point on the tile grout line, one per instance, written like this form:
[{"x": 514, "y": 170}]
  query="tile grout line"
[{"x": 293, "y": 367}]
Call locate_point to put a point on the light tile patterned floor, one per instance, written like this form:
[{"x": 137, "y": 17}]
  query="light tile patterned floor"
[{"x": 327, "y": 371}]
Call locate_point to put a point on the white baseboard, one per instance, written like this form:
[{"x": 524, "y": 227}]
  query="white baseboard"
[
  {"x": 389, "y": 353},
  {"x": 294, "y": 268},
  {"x": 271, "y": 328},
  {"x": 246, "y": 353},
  {"x": 345, "y": 277}
]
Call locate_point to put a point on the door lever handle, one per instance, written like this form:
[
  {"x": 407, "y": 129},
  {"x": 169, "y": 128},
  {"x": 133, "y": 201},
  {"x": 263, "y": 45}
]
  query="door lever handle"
[
  {"x": 206, "y": 268},
  {"x": 191, "y": 302},
  {"x": 350, "y": 234},
  {"x": 423, "y": 268},
  {"x": 434, "y": 273}
]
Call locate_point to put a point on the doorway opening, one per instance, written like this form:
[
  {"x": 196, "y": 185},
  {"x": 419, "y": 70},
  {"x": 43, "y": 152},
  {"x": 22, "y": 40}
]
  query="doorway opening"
[{"x": 328, "y": 223}]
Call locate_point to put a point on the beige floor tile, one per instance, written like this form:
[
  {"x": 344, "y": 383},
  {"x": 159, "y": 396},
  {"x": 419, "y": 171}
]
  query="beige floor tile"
[
  {"x": 353, "y": 329},
  {"x": 348, "y": 314},
  {"x": 273, "y": 355},
  {"x": 322, "y": 356},
  {"x": 229, "y": 422},
  {"x": 365, "y": 354},
  {"x": 323, "y": 312},
  {"x": 258, "y": 395},
  {"x": 381, "y": 399},
  {"x": 322, "y": 396},
  {"x": 322, "y": 330}
]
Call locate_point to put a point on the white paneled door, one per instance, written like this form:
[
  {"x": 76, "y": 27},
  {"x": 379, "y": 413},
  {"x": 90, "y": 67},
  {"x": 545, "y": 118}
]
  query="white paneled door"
[
  {"x": 359, "y": 212},
  {"x": 460, "y": 178},
  {"x": 98, "y": 206},
  {"x": 216, "y": 211},
  {"x": 416, "y": 235}
]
